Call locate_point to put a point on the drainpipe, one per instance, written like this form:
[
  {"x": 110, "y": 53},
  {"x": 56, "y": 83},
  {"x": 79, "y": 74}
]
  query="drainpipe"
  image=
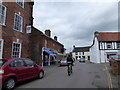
[
  {"x": 42, "y": 57},
  {"x": 49, "y": 61}
]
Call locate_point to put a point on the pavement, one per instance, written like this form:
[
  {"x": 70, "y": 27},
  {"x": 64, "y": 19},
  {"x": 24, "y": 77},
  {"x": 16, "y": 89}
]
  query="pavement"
[{"x": 113, "y": 78}]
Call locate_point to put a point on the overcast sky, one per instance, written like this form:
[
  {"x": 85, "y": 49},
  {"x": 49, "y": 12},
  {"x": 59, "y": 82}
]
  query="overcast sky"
[{"x": 75, "y": 22}]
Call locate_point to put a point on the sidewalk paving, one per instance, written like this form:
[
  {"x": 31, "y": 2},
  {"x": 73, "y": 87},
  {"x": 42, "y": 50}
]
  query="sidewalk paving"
[{"x": 115, "y": 78}]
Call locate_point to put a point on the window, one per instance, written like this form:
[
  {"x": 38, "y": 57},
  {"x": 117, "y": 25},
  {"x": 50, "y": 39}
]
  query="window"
[
  {"x": 109, "y": 45},
  {"x": 20, "y": 3},
  {"x": 2, "y": 14},
  {"x": 18, "y": 22},
  {"x": 17, "y": 63},
  {"x": 76, "y": 53},
  {"x": 118, "y": 45},
  {"x": 29, "y": 63},
  {"x": 80, "y": 53},
  {"x": 16, "y": 50}
]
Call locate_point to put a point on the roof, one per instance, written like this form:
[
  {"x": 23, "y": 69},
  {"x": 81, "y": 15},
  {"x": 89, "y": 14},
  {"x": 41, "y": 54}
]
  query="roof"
[
  {"x": 81, "y": 49},
  {"x": 108, "y": 36}
]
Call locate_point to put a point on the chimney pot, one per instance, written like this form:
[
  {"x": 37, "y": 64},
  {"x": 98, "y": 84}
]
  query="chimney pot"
[
  {"x": 55, "y": 38},
  {"x": 48, "y": 32}
]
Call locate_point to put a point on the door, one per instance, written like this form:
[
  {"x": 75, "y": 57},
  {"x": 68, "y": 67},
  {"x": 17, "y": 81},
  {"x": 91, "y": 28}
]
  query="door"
[
  {"x": 31, "y": 69},
  {"x": 1, "y": 48},
  {"x": 18, "y": 68}
]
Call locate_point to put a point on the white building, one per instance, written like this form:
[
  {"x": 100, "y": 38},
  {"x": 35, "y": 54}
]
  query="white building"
[{"x": 104, "y": 44}]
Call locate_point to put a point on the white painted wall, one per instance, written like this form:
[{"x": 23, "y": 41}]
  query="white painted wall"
[
  {"x": 94, "y": 52},
  {"x": 100, "y": 56}
]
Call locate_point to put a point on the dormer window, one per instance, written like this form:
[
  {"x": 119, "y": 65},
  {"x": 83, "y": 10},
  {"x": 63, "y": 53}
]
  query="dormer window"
[
  {"x": 109, "y": 45},
  {"x": 20, "y": 3}
]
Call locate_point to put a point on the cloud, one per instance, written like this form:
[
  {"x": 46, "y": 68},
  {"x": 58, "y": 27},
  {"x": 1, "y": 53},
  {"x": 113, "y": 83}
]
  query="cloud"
[{"x": 74, "y": 23}]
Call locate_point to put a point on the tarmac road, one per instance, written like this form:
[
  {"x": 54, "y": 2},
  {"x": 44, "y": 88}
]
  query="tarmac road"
[{"x": 85, "y": 75}]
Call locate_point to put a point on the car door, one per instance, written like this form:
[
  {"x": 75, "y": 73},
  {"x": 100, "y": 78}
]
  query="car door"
[
  {"x": 18, "y": 68},
  {"x": 32, "y": 69}
]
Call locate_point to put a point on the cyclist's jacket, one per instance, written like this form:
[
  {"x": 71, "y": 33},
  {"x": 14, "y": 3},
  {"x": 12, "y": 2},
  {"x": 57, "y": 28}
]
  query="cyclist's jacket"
[{"x": 69, "y": 59}]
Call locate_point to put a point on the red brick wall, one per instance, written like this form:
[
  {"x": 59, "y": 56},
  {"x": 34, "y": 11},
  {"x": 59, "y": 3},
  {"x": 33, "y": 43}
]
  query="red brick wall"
[{"x": 9, "y": 35}]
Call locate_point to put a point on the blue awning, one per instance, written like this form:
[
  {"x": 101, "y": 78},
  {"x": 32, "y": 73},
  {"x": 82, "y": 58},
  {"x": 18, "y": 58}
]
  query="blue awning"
[{"x": 50, "y": 53}]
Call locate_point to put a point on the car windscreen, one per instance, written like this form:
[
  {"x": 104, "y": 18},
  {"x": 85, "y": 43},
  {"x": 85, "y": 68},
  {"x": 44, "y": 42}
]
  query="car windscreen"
[
  {"x": 2, "y": 62},
  {"x": 63, "y": 59}
]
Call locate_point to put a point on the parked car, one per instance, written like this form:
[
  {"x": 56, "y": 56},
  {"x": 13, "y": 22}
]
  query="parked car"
[
  {"x": 81, "y": 59},
  {"x": 113, "y": 57},
  {"x": 63, "y": 61},
  {"x": 14, "y": 70}
]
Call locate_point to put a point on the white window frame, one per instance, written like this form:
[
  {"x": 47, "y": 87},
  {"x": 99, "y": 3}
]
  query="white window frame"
[
  {"x": 17, "y": 22},
  {"x": 4, "y": 15},
  {"x": 19, "y": 50},
  {"x": 19, "y": 1},
  {"x": 118, "y": 45},
  {"x": 1, "y": 48},
  {"x": 109, "y": 44}
]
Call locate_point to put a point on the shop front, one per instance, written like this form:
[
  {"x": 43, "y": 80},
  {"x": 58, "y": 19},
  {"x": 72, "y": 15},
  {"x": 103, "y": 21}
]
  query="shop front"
[{"x": 48, "y": 57}]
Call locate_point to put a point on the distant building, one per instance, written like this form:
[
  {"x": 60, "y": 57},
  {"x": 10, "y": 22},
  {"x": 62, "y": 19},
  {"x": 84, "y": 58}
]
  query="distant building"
[
  {"x": 104, "y": 45},
  {"x": 81, "y": 52}
]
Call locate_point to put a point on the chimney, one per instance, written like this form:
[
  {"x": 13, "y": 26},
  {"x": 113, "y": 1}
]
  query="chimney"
[
  {"x": 73, "y": 46},
  {"x": 55, "y": 38},
  {"x": 48, "y": 32},
  {"x": 96, "y": 34}
]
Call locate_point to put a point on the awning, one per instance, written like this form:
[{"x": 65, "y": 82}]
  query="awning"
[{"x": 50, "y": 53}]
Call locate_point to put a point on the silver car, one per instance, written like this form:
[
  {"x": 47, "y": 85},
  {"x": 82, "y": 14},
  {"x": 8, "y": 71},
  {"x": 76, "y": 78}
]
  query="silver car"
[{"x": 63, "y": 62}]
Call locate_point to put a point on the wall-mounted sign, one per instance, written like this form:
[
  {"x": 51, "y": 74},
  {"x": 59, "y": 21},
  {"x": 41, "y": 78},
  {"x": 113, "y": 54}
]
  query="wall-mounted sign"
[{"x": 28, "y": 29}]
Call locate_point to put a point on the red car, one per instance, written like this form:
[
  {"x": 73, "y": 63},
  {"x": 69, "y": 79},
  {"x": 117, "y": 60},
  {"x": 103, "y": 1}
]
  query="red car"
[
  {"x": 113, "y": 57},
  {"x": 13, "y": 70}
]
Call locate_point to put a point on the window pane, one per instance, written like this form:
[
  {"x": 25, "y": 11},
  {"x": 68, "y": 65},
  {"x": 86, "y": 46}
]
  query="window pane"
[
  {"x": 18, "y": 23},
  {"x": 16, "y": 50}
]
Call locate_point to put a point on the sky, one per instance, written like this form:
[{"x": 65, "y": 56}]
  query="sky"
[{"x": 74, "y": 23}]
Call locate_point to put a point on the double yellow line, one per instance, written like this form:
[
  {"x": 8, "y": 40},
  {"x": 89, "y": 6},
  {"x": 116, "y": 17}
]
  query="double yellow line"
[{"x": 109, "y": 79}]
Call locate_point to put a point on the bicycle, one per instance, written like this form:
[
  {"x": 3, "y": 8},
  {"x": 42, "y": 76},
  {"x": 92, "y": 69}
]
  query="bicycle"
[{"x": 69, "y": 68}]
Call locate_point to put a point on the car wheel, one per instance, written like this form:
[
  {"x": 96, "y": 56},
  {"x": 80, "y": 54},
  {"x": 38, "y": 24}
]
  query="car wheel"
[
  {"x": 41, "y": 74},
  {"x": 10, "y": 84}
]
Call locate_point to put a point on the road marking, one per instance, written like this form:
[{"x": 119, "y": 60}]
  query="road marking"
[{"x": 109, "y": 79}]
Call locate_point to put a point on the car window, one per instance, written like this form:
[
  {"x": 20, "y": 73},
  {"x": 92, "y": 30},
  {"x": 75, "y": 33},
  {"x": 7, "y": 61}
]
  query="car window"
[
  {"x": 2, "y": 62},
  {"x": 29, "y": 63},
  {"x": 17, "y": 63}
]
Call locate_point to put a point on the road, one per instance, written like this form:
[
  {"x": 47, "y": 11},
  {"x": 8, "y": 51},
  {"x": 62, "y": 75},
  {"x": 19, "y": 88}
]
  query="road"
[{"x": 85, "y": 75}]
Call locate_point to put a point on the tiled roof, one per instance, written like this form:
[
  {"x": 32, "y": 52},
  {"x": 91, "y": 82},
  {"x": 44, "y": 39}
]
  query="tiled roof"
[
  {"x": 81, "y": 49},
  {"x": 108, "y": 36}
]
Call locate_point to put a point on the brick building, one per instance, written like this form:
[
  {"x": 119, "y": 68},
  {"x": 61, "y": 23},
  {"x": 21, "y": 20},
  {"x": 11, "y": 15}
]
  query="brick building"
[
  {"x": 15, "y": 16},
  {"x": 45, "y": 48},
  {"x": 18, "y": 37}
]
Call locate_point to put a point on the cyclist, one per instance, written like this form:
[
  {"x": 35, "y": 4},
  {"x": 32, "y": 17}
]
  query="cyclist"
[{"x": 70, "y": 61}]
